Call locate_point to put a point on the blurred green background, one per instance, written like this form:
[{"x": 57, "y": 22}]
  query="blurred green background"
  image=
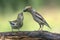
[{"x": 49, "y": 9}]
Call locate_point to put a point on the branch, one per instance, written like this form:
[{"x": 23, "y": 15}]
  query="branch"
[{"x": 34, "y": 34}]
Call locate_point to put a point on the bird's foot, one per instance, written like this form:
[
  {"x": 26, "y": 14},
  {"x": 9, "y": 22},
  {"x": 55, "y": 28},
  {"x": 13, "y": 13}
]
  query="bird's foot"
[{"x": 40, "y": 30}]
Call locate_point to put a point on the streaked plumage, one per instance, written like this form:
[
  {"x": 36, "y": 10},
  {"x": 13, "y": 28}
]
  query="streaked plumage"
[
  {"x": 36, "y": 16},
  {"x": 18, "y": 23}
]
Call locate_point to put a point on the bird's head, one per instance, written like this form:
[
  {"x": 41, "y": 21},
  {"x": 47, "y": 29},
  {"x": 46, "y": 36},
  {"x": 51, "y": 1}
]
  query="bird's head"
[
  {"x": 20, "y": 17},
  {"x": 20, "y": 14},
  {"x": 28, "y": 8}
]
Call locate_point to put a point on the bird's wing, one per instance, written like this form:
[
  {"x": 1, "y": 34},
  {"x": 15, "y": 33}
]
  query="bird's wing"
[{"x": 42, "y": 19}]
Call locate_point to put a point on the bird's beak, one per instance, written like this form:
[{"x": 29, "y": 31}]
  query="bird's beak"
[{"x": 25, "y": 9}]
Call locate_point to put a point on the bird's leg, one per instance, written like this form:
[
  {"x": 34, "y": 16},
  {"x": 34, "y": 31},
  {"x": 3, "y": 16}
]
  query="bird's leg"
[
  {"x": 18, "y": 30},
  {"x": 12, "y": 29},
  {"x": 41, "y": 27}
]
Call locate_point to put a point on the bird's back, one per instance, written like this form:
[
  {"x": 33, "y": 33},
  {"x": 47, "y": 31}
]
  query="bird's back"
[{"x": 39, "y": 18}]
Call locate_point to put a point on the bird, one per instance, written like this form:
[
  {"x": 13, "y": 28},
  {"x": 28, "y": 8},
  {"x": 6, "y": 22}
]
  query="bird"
[
  {"x": 18, "y": 23},
  {"x": 37, "y": 17}
]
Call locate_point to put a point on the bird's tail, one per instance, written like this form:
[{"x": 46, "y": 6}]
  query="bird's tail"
[
  {"x": 10, "y": 22},
  {"x": 47, "y": 25}
]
